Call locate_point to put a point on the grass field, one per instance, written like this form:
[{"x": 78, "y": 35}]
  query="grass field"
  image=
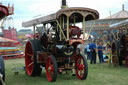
[{"x": 98, "y": 74}]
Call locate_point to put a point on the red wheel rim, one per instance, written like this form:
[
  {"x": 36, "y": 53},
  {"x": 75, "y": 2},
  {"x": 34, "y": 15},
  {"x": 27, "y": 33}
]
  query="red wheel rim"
[
  {"x": 80, "y": 67},
  {"x": 29, "y": 58},
  {"x": 49, "y": 69}
]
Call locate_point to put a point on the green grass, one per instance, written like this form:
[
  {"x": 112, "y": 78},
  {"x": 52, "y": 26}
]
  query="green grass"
[{"x": 98, "y": 74}]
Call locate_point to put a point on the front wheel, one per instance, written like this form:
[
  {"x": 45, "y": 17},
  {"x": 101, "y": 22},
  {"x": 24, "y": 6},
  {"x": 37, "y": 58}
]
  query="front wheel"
[
  {"x": 81, "y": 67},
  {"x": 51, "y": 68}
]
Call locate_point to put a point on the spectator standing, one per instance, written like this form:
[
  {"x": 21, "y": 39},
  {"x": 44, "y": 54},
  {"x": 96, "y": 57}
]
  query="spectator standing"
[
  {"x": 100, "y": 52},
  {"x": 88, "y": 52},
  {"x": 81, "y": 48},
  {"x": 93, "y": 53}
]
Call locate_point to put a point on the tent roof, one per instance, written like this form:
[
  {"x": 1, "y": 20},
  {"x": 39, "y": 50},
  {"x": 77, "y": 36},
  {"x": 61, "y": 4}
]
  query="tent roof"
[
  {"x": 121, "y": 14},
  {"x": 119, "y": 24}
]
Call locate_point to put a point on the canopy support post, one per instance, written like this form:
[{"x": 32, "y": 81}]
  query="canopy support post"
[
  {"x": 74, "y": 20},
  {"x": 44, "y": 25},
  {"x": 61, "y": 27},
  {"x": 34, "y": 29},
  {"x": 67, "y": 27},
  {"x": 83, "y": 27}
]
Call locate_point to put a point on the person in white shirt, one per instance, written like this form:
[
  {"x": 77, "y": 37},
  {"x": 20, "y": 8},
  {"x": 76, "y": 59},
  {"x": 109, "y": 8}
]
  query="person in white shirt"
[{"x": 88, "y": 52}]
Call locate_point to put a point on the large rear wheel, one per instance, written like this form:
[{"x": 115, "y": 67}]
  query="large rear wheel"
[
  {"x": 32, "y": 67},
  {"x": 51, "y": 69},
  {"x": 81, "y": 67}
]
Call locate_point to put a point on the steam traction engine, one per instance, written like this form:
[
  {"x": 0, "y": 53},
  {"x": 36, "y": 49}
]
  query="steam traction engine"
[
  {"x": 120, "y": 50},
  {"x": 55, "y": 43},
  {"x": 120, "y": 44}
]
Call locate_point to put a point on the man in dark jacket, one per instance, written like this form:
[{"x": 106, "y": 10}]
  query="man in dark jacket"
[{"x": 93, "y": 53}]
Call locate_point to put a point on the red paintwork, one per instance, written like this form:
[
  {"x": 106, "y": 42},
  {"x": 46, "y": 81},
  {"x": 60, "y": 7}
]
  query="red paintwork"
[
  {"x": 42, "y": 56},
  {"x": 11, "y": 9},
  {"x": 49, "y": 69},
  {"x": 10, "y": 34},
  {"x": 3, "y": 11},
  {"x": 79, "y": 67},
  {"x": 13, "y": 56},
  {"x": 28, "y": 58},
  {"x": 74, "y": 30}
]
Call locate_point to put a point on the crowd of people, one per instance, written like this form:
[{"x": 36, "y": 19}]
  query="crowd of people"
[{"x": 92, "y": 50}]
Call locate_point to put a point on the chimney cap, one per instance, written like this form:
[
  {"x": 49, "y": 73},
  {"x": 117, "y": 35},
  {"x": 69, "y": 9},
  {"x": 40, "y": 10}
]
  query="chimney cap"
[
  {"x": 122, "y": 7},
  {"x": 64, "y": 4}
]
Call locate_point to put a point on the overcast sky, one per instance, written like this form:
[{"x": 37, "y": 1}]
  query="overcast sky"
[{"x": 26, "y": 9}]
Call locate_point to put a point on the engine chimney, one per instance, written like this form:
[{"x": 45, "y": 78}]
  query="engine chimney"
[
  {"x": 63, "y": 5},
  {"x": 122, "y": 7}
]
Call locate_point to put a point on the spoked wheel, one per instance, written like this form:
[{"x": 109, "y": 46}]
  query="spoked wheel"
[
  {"x": 51, "y": 69},
  {"x": 81, "y": 67},
  {"x": 2, "y": 69},
  {"x": 32, "y": 68}
]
